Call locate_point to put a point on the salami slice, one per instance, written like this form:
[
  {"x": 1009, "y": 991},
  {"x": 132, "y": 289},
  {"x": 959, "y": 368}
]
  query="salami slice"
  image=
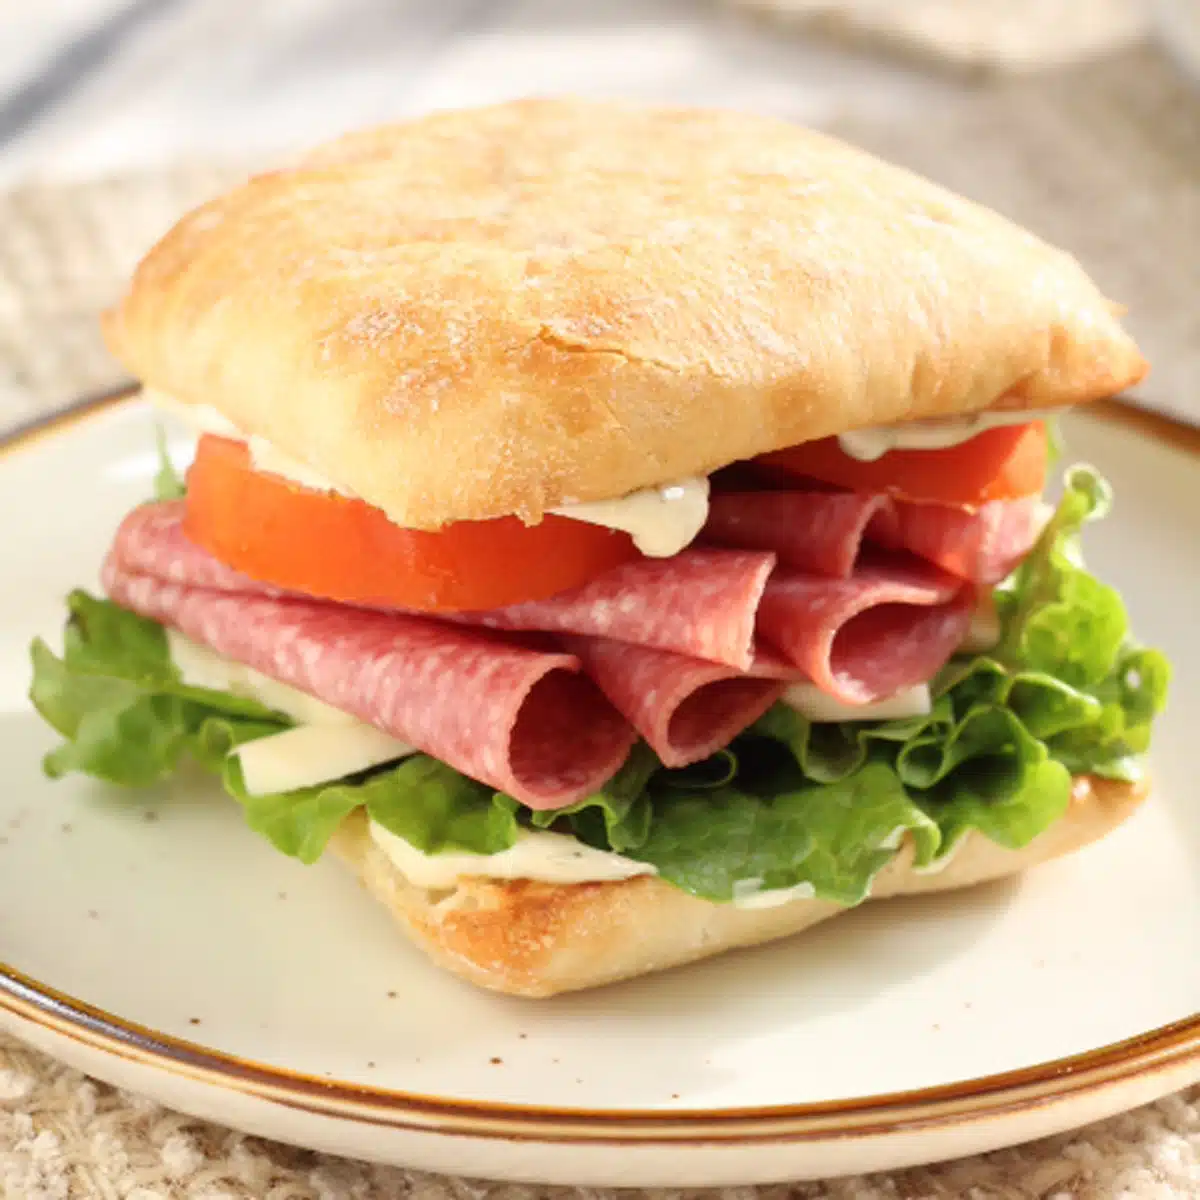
[
  {"x": 824, "y": 532},
  {"x": 818, "y": 532},
  {"x": 894, "y": 623},
  {"x": 685, "y": 708},
  {"x": 770, "y": 664},
  {"x": 523, "y": 721},
  {"x": 150, "y": 541},
  {"x": 983, "y": 546},
  {"x": 699, "y": 603}
]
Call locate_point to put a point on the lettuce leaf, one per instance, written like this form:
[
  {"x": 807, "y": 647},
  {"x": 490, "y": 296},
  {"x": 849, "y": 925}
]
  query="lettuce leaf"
[
  {"x": 788, "y": 803},
  {"x": 117, "y": 698},
  {"x": 748, "y": 819},
  {"x": 834, "y": 837},
  {"x": 830, "y": 752},
  {"x": 424, "y": 801}
]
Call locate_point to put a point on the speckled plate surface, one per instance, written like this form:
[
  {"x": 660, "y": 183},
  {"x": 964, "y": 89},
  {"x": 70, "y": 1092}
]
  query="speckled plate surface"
[{"x": 154, "y": 942}]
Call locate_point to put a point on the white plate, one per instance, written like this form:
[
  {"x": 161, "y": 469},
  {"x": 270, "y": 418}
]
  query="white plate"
[{"x": 156, "y": 943}]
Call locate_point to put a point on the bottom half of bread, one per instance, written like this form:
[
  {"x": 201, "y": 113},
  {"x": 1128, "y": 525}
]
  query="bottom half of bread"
[{"x": 537, "y": 939}]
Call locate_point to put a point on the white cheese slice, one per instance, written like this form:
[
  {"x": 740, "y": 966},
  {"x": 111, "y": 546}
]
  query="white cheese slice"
[
  {"x": 312, "y": 754},
  {"x": 200, "y": 667},
  {"x": 818, "y": 706},
  {"x": 540, "y": 855}
]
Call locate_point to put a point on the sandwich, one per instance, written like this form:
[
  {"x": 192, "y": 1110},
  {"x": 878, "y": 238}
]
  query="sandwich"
[{"x": 621, "y": 534}]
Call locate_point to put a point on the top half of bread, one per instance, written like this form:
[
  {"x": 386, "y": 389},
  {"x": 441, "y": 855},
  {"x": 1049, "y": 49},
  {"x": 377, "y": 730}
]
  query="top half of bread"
[{"x": 507, "y": 309}]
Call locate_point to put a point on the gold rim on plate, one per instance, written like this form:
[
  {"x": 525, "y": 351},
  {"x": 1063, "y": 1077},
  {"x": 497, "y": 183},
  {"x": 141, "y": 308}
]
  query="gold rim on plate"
[{"x": 1157, "y": 1052}]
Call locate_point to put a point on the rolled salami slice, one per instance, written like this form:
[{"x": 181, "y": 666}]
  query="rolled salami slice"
[
  {"x": 824, "y": 532},
  {"x": 524, "y": 721},
  {"x": 894, "y": 623},
  {"x": 699, "y": 603},
  {"x": 983, "y": 546},
  {"x": 685, "y": 708},
  {"x": 813, "y": 531}
]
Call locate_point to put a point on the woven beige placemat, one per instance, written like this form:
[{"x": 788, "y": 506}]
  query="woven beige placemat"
[
  {"x": 1103, "y": 158},
  {"x": 984, "y": 35},
  {"x": 64, "y": 255}
]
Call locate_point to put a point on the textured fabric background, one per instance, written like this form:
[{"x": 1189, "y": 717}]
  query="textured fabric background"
[
  {"x": 1000, "y": 35},
  {"x": 63, "y": 1136},
  {"x": 1104, "y": 158}
]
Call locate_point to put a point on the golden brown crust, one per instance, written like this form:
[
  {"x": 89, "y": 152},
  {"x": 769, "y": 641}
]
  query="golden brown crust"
[
  {"x": 507, "y": 309},
  {"x": 537, "y": 939}
]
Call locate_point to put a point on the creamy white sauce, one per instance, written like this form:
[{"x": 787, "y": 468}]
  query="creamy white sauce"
[
  {"x": 203, "y": 418},
  {"x": 867, "y": 445},
  {"x": 819, "y": 707},
  {"x": 540, "y": 855},
  {"x": 661, "y": 520}
]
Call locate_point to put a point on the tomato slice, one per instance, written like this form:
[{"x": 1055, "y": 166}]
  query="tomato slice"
[
  {"x": 1004, "y": 463},
  {"x": 332, "y": 546}
]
